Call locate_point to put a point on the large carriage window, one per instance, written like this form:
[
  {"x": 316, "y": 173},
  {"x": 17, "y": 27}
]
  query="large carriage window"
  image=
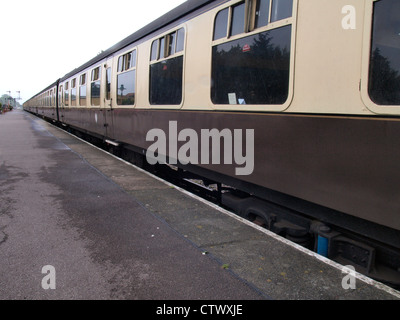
[
  {"x": 384, "y": 74},
  {"x": 253, "y": 69},
  {"x": 166, "y": 69},
  {"x": 95, "y": 87},
  {"x": 126, "y": 79}
]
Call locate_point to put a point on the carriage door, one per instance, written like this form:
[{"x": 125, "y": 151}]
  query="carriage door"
[
  {"x": 61, "y": 105},
  {"x": 108, "y": 101}
]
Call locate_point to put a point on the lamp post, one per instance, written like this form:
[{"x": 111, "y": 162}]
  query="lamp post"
[{"x": 18, "y": 97}]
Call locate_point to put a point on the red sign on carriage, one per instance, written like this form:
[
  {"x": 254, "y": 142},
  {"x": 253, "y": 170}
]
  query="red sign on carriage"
[{"x": 246, "y": 48}]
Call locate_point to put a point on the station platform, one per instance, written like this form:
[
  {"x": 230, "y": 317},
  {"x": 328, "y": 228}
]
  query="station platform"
[{"x": 113, "y": 231}]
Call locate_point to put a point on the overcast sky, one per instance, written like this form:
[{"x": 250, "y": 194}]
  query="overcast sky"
[{"x": 42, "y": 40}]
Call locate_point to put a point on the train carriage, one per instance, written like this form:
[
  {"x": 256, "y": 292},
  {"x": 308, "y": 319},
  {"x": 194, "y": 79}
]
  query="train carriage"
[{"x": 315, "y": 84}]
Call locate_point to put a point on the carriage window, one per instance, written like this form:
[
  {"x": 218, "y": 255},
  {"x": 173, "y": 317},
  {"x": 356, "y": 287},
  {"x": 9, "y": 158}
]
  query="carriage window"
[
  {"x": 127, "y": 61},
  {"x": 261, "y": 14},
  {"x": 126, "y": 88},
  {"x": 166, "y": 71},
  {"x": 54, "y": 94},
  {"x": 95, "y": 87},
  {"x": 171, "y": 43},
  {"x": 73, "y": 93},
  {"x": 250, "y": 15},
  {"x": 82, "y": 90},
  {"x": 95, "y": 74},
  {"x": 254, "y": 69},
  {"x": 120, "y": 63},
  {"x": 237, "y": 25},
  {"x": 126, "y": 79},
  {"x": 180, "y": 41},
  {"x": 161, "y": 53},
  {"x": 66, "y": 94},
  {"x": 154, "y": 49},
  {"x": 133, "y": 59},
  {"x": 60, "y": 95},
  {"x": 384, "y": 71},
  {"x": 108, "y": 84},
  {"x": 281, "y": 9},
  {"x": 221, "y": 22}
]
